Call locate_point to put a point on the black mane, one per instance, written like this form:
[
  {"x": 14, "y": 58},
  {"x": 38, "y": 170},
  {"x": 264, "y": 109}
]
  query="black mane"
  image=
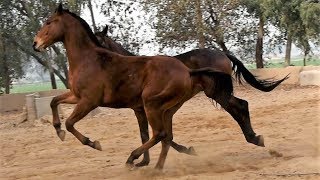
[{"x": 86, "y": 27}]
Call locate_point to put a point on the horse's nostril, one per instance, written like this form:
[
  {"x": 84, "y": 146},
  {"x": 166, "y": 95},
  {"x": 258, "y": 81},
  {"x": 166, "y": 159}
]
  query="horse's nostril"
[{"x": 34, "y": 46}]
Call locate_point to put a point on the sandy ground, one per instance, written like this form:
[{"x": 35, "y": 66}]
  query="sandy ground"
[{"x": 288, "y": 117}]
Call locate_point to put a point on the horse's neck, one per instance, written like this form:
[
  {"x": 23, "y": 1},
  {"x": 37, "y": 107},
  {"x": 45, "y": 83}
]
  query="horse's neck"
[
  {"x": 78, "y": 46},
  {"x": 116, "y": 47}
]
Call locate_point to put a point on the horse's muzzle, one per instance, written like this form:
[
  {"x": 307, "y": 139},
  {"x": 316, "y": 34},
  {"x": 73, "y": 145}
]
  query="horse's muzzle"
[{"x": 34, "y": 47}]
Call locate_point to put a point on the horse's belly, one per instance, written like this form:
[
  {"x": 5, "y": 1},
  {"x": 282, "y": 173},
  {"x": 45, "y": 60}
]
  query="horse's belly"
[{"x": 122, "y": 101}]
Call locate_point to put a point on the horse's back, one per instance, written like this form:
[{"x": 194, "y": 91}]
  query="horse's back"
[{"x": 201, "y": 58}]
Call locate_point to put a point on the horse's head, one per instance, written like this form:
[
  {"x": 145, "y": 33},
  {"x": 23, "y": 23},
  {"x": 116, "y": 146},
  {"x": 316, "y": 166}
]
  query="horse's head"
[
  {"x": 103, "y": 38},
  {"x": 51, "y": 31}
]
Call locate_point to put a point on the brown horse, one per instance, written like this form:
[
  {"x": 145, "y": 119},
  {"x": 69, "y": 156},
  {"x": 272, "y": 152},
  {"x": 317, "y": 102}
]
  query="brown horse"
[
  {"x": 157, "y": 85},
  {"x": 195, "y": 59},
  {"x": 203, "y": 58}
]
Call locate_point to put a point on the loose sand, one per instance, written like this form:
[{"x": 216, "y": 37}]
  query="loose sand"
[{"x": 288, "y": 117}]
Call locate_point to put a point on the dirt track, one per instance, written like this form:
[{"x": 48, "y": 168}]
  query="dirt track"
[{"x": 288, "y": 117}]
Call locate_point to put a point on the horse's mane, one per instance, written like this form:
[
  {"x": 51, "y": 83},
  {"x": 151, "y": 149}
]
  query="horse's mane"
[
  {"x": 114, "y": 46},
  {"x": 86, "y": 27}
]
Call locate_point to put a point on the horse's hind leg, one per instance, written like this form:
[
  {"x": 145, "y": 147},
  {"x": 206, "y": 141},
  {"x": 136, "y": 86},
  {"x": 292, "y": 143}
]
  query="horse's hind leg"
[
  {"x": 183, "y": 149},
  {"x": 155, "y": 119},
  {"x": 239, "y": 110},
  {"x": 80, "y": 111},
  {"x": 167, "y": 140},
  {"x": 67, "y": 98},
  {"x": 144, "y": 134}
]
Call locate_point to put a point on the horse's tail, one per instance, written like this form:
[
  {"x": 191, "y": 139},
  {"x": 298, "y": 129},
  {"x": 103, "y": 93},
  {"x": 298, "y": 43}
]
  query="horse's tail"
[
  {"x": 215, "y": 83},
  {"x": 265, "y": 85}
]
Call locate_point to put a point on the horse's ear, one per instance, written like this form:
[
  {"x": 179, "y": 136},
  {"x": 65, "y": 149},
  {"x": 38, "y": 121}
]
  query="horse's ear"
[
  {"x": 59, "y": 9},
  {"x": 105, "y": 30}
]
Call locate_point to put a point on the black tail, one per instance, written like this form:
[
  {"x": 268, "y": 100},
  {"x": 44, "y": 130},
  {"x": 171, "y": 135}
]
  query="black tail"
[
  {"x": 222, "y": 82},
  {"x": 263, "y": 85}
]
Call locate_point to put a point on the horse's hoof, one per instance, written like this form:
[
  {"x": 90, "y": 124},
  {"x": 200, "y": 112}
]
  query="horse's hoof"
[
  {"x": 61, "y": 134},
  {"x": 260, "y": 141},
  {"x": 97, "y": 146},
  {"x": 142, "y": 163},
  {"x": 191, "y": 151},
  {"x": 130, "y": 166}
]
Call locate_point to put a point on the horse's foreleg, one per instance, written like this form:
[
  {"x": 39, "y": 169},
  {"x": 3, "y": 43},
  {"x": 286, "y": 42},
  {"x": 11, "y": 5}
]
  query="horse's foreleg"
[
  {"x": 80, "y": 111},
  {"x": 144, "y": 134},
  {"x": 67, "y": 98}
]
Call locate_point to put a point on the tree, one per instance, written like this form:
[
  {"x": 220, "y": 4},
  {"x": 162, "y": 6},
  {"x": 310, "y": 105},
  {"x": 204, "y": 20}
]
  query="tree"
[
  {"x": 127, "y": 21},
  {"x": 208, "y": 23},
  {"x": 25, "y": 18},
  {"x": 10, "y": 57},
  {"x": 92, "y": 16},
  {"x": 309, "y": 31},
  {"x": 254, "y": 7}
]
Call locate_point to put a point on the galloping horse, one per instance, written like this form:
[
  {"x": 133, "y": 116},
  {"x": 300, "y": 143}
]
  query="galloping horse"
[
  {"x": 157, "y": 85},
  {"x": 195, "y": 59},
  {"x": 203, "y": 58}
]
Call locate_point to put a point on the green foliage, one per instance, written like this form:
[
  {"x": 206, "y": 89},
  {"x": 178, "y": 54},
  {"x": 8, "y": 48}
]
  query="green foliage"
[
  {"x": 184, "y": 22},
  {"x": 11, "y": 58},
  {"x": 296, "y": 18},
  {"x": 310, "y": 15}
]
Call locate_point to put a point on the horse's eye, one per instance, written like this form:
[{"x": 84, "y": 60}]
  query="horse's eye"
[{"x": 48, "y": 22}]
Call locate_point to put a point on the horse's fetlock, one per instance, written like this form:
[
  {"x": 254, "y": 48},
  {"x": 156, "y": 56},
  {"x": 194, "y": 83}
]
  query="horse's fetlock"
[
  {"x": 86, "y": 141},
  {"x": 57, "y": 125},
  {"x": 251, "y": 138},
  {"x": 134, "y": 154}
]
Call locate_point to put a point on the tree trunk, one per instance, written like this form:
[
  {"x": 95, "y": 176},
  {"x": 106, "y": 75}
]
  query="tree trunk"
[
  {"x": 305, "y": 57},
  {"x": 222, "y": 45},
  {"x": 200, "y": 28},
  {"x": 6, "y": 75},
  {"x": 288, "y": 50},
  {"x": 63, "y": 64},
  {"x": 49, "y": 57},
  {"x": 92, "y": 16},
  {"x": 259, "y": 45},
  {"x": 53, "y": 80}
]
